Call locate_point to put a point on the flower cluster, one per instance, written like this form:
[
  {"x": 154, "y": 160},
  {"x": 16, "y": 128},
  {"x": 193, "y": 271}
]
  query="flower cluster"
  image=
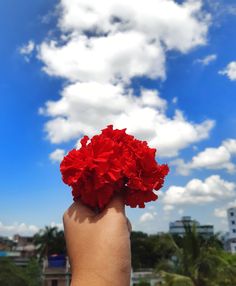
[{"x": 113, "y": 162}]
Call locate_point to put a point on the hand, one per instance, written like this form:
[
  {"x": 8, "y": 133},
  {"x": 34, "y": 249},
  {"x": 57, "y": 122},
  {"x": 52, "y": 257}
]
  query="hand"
[{"x": 98, "y": 245}]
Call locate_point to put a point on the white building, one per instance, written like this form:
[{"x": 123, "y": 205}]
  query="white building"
[
  {"x": 147, "y": 275},
  {"x": 177, "y": 227},
  {"x": 231, "y": 214}
]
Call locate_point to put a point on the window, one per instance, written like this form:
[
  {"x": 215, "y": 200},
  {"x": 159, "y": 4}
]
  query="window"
[
  {"x": 233, "y": 222},
  {"x": 234, "y": 230},
  {"x": 54, "y": 282},
  {"x": 231, "y": 213}
]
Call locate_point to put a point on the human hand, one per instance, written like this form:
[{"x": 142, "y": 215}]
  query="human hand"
[{"x": 98, "y": 245}]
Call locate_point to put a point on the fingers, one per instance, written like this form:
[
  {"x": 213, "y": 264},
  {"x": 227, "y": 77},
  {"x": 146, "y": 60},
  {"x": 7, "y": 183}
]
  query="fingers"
[
  {"x": 78, "y": 211},
  {"x": 117, "y": 204}
]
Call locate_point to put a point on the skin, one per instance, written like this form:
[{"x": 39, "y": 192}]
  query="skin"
[{"x": 98, "y": 245}]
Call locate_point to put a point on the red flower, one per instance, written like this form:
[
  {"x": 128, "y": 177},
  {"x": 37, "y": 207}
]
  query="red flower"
[{"x": 113, "y": 162}]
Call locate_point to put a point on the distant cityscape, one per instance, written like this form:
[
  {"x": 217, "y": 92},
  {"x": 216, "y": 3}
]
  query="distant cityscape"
[{"x": 56, "y": 268}]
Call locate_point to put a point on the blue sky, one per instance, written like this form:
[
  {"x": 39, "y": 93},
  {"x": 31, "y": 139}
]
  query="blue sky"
[{"x": 170, "y": 80}]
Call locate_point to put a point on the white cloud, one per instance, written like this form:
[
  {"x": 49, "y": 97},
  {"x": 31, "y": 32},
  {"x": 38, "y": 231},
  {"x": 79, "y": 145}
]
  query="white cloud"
[
  {"x": 88, "y": 107},
  {"x": 146, "y": 217},
  {"x": 230, "y": 145},
  {"x": 27, "y": 49},
  {"x": 198, "y": 192},
  {"x": 57, "y": 155},
  {"x": 23, "y": 228},
  {"x": 127, "y": 38},
  {"x": 175, "y": 100},
  {"x": 168, "y": 208},
  {"x": 210, "y": 158},
  {"x": 18, "y": 228},
  {"x": 58, "y": 225},
  {"x": 105, "y": 44},
  {"x": 220, "y": 212},
  {"x": 104, "y": 59},
  {"x": 229, "y": 71},
  {"x": 207, "y": 60}
]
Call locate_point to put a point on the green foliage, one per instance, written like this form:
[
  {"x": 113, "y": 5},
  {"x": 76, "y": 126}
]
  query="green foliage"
[
  {"x": 50, "y": 241},
  {"x": 199, "y": 260},
  {"x": 149, "y": 250},
  {"x": 176, "y": 280},
  {"x": 33, "y": 273},
  {"x": 141, "y": 249},
  {"x": 143, "y": 283},
  {"x": 228, "y": 273},
  {"x": 11, "y": 275}
]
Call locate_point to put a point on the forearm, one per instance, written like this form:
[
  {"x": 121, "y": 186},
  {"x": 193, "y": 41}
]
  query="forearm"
[
  {"x": 106, "y": 277},
  {"x": 99, "y": 252}
]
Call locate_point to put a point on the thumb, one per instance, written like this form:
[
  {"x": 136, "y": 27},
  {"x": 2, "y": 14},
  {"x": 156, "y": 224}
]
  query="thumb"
[{"x": 117, "y": 204}]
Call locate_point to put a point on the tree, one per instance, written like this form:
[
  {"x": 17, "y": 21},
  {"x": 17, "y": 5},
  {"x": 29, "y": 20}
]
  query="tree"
[
  {"x": 176, "y": 280},
  {"x": 229, "y": 271},
  {"x": 149, "y": 250},
  {"x": 196, "y": 259},
  {"x": 141, "y": 250},
  {"x": 11, "y": 275},
  {"x": 33, "y": 273},
  {"x": 49, "y": 241}
]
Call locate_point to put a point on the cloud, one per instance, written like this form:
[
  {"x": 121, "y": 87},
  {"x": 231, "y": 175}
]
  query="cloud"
[
  {"x": 118, "y": 40},
  {"x": 229, "y": 71},
  {"x": 103, "y": 45},
  {"x": 85, "y": 108},
  {"x": 27, "y": 49},
  {"x": 23, "y": 228},
  {"x": 210, "y": 158},
  {"x": 18, "y": 228},
  {"x": 57, "y": 155},
  {"x": 58, "y": 225},
  {"x": 99, "y": 58},
  {"x": 221, "y": 212},
  {"x": 168, "y": 208},
  {"x": 146, "y": 217},
  {"x": 207, "y": 60},
  {"x": 198, "y": 192},
  {"x": 230, "y": 145},
  {"x": 175, "y": 100}
]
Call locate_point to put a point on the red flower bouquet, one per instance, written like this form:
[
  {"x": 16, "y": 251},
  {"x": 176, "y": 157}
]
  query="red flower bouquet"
[{"x": 113, "y": 162}]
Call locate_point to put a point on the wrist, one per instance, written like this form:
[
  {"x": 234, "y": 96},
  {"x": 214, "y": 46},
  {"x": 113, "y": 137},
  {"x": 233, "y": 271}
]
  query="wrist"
[
  {"x": 89, "y": 278},
  {"x": 102, "y": 276}
]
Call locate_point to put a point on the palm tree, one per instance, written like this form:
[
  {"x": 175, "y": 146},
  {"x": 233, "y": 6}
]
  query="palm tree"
[
  {"x": 229, "y": 277},
  {"x": 49, "y": 241},
  {"x": 11, "y": 275},
  {"x": 196, "y": 259},
  {"x": 175, "y": 280}
]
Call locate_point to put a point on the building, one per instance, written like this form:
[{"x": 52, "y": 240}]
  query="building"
[
  {"x": 56, "y": 271},
  {"x": 20, "y": 249},
  {"x": 231, "y": 238},
  {"x": 145, "y": 275},
  {"x": 178, "y": 227},
  {"x": 24, "y": 245},
  {"x": 6, "y": 244}
]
